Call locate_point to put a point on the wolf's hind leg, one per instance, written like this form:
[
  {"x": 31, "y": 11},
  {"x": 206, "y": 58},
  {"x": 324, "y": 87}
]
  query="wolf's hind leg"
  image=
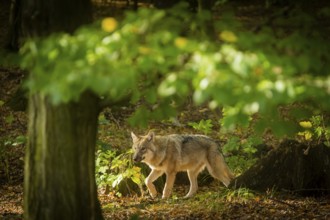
[
  {"x": 192, "y": 175},
  {"x": 218, "y": 168},
  {"x": 154, "y": 174}
]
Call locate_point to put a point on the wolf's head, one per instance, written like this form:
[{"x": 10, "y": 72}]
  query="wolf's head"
[{"x": 143, "y": 147}]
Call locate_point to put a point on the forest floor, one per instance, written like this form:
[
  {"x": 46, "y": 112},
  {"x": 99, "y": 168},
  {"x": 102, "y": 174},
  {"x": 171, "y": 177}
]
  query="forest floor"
[{"x": 213, "y": 200}]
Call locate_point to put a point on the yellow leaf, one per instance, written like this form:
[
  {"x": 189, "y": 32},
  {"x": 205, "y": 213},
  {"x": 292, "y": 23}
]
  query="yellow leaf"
[
  {"x": 301, "y": 133},
  {"x": 136, "y": 169},
  {"x": 180, "y": 42},
  {"x": 308, "y": 135},
  {"x": 228, "y": 36},
  {"x": 135, "y": 30},
  {"x": 109, "y": 24},
  {"x": 305, "y": 124},
  {"x": 144, "y": 50}
]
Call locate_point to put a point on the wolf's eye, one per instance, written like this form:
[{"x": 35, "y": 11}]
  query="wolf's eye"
[{"x": 143, "y": 149}]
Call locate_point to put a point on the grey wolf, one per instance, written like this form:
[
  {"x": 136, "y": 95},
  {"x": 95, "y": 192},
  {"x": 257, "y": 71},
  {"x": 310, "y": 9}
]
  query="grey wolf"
[{"x": 173, "y": 153}]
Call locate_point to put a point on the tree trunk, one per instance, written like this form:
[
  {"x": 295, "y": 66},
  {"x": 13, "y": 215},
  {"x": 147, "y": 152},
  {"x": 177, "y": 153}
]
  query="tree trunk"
[
  {"x": 60, "y": 160},
  {"x": 292, "y": 166},
  {"x": 41, "y": 18},
  {"x": 59, "y": 178},
  {"x": 15, "y": 21}
]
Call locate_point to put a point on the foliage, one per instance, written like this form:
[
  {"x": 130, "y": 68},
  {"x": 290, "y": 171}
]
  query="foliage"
[
  {"x": 241, "y": 194},
  {"x": 240, "y": 163},
  {"x": 113, "y": 169},
  {"x": 204, "y": 126},
  {"x": 5, "y": 144},
  {"x": 247, "y": 146},
  {"x": 241, "y": 152},
  {"x": 315, "y": 128},
  {"x": 4, "y": 157},
  {"x": 158, "y": 58}
]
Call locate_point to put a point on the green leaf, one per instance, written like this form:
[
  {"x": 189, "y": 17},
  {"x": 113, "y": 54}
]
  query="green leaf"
[
  {"x": 284, "y": 128},
  {"x": 10, "y": 119},
  {"x": 151, "y": 96},
  {"x": 140, "y": 117},
  {"x": 136, "y": 178},
  {"x": 103, "y": 169},
  {"x": 231, "y": 145},
  {"x": 117, "y": 181}
]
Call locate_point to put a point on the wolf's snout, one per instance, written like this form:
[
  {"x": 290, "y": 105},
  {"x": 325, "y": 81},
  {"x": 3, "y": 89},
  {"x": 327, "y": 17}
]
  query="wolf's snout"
[{"x": 137, "y": 158}]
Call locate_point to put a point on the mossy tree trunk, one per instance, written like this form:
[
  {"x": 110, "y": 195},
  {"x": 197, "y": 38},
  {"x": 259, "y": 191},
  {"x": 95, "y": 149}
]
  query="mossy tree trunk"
[
  {"x": 59, "y": 180},
  {"x": 60, "y": 164}
]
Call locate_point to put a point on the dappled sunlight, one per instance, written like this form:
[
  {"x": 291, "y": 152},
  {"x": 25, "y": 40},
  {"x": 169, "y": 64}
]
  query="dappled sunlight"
[
  {"x": 238, "y": 83},
  {"x": 212, "y": 202},
  {"x": 232, "y": 72}
]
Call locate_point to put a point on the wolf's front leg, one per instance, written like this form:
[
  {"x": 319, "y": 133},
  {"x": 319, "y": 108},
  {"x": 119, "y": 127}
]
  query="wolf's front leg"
[
  {"x": 170, "y": 178},
  {"x": 149, "y": 182}
]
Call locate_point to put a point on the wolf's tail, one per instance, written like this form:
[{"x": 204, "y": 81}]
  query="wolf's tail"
[{"x": 218, "y": 168}]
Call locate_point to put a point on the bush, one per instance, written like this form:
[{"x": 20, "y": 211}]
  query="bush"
[{"x": 116, "y": 171}]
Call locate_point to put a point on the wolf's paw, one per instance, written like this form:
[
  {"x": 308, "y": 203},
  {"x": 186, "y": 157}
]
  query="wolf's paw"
[
  {"x": 165, "y": 196},
  {"x": 188, "y": 196},
  {"x": 153, "y": 195}
]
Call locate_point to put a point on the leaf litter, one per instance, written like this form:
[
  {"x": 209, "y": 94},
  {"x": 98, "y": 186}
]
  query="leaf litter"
[{"x": 211, "y": 202}]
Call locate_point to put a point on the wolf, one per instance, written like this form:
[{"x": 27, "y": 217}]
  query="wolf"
[{"x": 173, "y": 153}]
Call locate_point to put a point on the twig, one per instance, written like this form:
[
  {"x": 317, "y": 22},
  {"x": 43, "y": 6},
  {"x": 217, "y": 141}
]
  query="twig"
[
  {"x": 285, "y": 203},
  {"x": 306, "y": 190},
  {"x": 114, "y": 119}
]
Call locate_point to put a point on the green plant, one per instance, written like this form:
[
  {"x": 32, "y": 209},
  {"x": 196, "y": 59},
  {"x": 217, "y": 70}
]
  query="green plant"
[
  {"x": 230, "y": 195},
  {"x": 242, "y": 152},
  {"x": 10, "y": 119},
  {"x": 246, "y": 145},
  {"x": 102, "y": 120},
  {"x": 204, "y": 126},
  {"x": 240, "y": 194},
  {"x": 5, "y": 146},
  {"x": 113, "y": 168},
  {"x": 315, "y": 128},
  {"x": 21, "y": 139},
  {"x": 239, "y": 163},
  {"x": 4, "y": 163}
]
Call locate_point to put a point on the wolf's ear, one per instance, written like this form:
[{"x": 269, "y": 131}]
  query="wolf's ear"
[
  {"x": 134, "y": 137},
  {"x": 150, "y": 136}
]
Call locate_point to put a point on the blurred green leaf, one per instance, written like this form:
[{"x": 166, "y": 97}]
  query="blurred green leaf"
[
  {"x": 160, "y": 64},
  {"x": 10, "y": 119}
]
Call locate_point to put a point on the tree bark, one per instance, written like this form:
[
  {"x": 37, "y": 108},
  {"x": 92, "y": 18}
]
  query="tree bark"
[
  {"x": 292, "y": 167},
  {"x": 59, "y": 180},
  {"x": 41, "y": 18},
  {"x": 60, "y": 160}
]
